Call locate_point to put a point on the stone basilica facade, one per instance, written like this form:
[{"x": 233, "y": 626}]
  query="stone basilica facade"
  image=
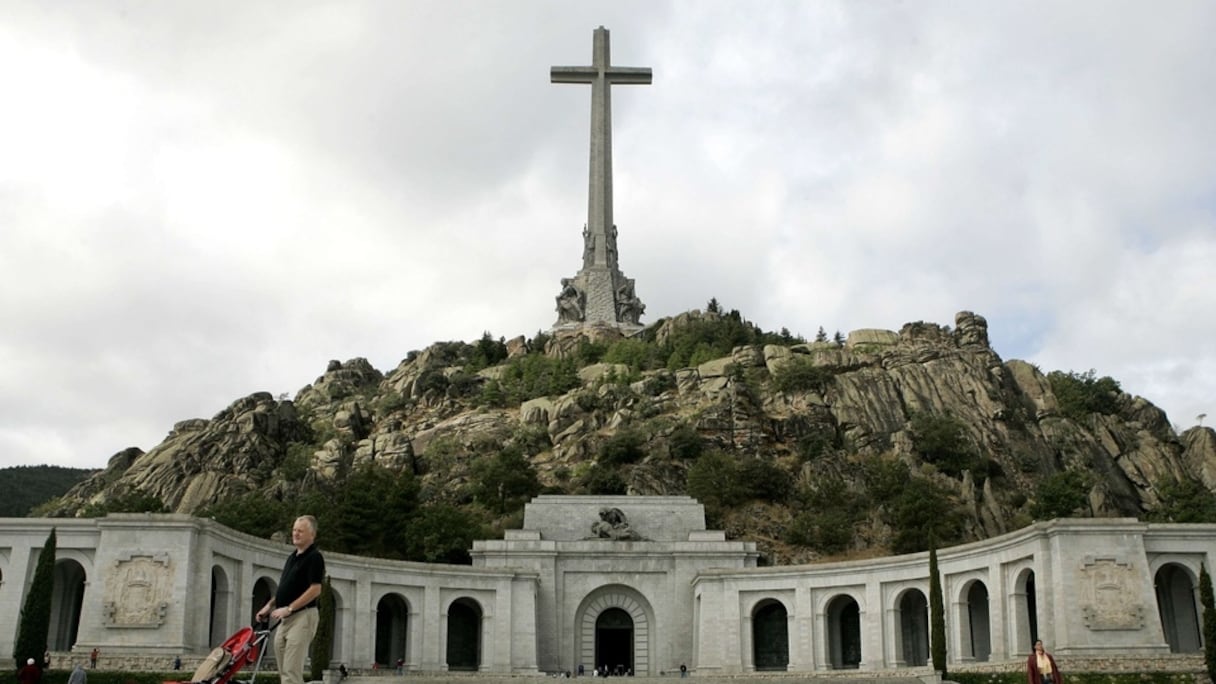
[{"x": 635, "y": 583}]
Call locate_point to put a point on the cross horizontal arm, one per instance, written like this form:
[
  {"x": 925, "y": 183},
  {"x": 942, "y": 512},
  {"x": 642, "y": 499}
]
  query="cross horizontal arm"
[
  {"x": 615, "y": 75},
  {"x": 572, "y": 74}
]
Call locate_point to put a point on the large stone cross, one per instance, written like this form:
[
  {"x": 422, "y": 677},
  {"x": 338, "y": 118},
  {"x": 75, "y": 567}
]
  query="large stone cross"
[{"x": 601, "y": 238}]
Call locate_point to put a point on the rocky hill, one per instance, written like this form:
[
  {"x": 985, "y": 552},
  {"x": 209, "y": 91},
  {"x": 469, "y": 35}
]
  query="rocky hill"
[{"x": 860, "y": 446}]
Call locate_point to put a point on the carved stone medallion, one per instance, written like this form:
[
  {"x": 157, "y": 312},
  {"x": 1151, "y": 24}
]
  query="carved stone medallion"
[
  {"x": 137, "y": 591},
  {"x": 1109, "y": 596}
]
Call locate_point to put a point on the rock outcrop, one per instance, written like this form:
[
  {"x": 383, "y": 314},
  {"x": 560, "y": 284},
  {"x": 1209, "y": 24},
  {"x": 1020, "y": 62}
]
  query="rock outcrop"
[{"x": 429, "y": 415}]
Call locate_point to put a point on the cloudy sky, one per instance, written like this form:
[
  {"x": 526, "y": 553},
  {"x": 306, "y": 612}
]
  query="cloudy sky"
[{"x": 200, "y": 200}]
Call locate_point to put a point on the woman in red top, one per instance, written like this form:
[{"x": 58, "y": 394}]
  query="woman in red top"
[{"x": 1041, "y": 667}]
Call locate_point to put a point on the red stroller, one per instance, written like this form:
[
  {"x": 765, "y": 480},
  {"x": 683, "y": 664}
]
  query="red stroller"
[{"x": 247, "y": 646}]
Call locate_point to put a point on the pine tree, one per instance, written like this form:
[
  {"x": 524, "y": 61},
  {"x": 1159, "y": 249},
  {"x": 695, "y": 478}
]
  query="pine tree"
[
  {"x": 1209, "y": 621},
  {"x": 323, "y": 641},
  {"x": 937, "y": 616},
  {"x": 35, "y": 620}
]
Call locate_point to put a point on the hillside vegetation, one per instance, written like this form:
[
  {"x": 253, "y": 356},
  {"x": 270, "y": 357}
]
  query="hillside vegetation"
[
  {"x": 27, "y": 486},
  {"x": 843, "y": 447}
]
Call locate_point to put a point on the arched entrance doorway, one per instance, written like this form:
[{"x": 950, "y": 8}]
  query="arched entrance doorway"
[
  {"x": 614, "y": 641},
  {"x": 66, "y": 599},
  {"x": 464, "y": 635},
  {"x": 770, "y": 636},
  {"x": 914, "y": 628},
  {"x": 392, "y": 620},
  {"x": 587, "y": 637},
  {"x": 844, "y": 633},
  {"x": 1176, "y": 605}
]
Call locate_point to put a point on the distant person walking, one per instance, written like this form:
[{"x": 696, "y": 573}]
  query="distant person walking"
[
  {"x": 1041, "y": 667},
  {"x": 93, "y": 658}
]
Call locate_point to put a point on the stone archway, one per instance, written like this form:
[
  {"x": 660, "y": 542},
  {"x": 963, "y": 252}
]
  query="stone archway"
[
  {"x": 631, "y": 605},
  {"x": 844, "y": 633},
  {"x": 975, "y": 630},
  {"x": 66, "y": 600},
  {"x": 1025, "y": 612},
  {"x": 220, "y": 595},
  {"x": 770, "y": 636},
  {"x": 464, "y": 635},
  {"x": 263, "y": 590},
  {"x": 392, "y": 626},
  {"x": 1176, "y": 606},
  {"x": 913, "y": 635}
]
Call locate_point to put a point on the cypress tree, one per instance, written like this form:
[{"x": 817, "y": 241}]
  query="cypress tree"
[
  {"x": 937, "y": 614},
  {"x": 35, "y": 622},
  {"x": 1209, "y": 621},
  {"x": 323, "y": 642}
]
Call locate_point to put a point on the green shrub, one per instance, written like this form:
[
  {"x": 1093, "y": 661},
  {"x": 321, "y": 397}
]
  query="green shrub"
[
  {"x": 1081, "y": 394},
  {"x": 924, "y": 511},
  {"x": 625, "y": 447},
  {"x": 1184, "y": 501},
  {"x": 632, "y": 352},
  {"x": 504, "y": 481},
  {"x": 941, "y": 439},
  {"x": 685, "y": 443},
  {"x": 134, "y": 501},
  {"x": 603, "y": 480},
  {"x": 535, "y": 375},
  {"x": 714, "y": 481},
  {"x": 763, "y": 479},
  {"x": 800, "y": 374},
  {"x": 1059, "y": 496},
  {"x": 828, "y": 531},
  {"x": 820, "y": 439}
]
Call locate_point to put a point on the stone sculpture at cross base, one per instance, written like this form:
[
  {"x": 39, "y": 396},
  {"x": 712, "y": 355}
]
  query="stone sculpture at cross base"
[{"x": 599, "y": 296}]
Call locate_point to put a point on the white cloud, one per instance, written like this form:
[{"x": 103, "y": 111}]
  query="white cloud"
[{"x": 195, "y": 205}]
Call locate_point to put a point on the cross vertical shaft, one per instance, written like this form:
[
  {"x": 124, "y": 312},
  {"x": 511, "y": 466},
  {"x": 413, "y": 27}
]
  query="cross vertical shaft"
[{"x": 601, "y": 75}]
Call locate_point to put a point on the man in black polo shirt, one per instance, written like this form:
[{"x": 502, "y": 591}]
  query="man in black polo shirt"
[{"x": 295, "y": 602}]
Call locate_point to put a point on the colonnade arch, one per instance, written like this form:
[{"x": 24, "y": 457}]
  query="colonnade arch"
[
  {"x": 219, "y": 627},
  {"x": 843, "y": 617},
  {"x": 392, "y": 629},
  {"x": 770, "y": 636},
  {"x": 912, "y": 645},
  {"x": 263, "y": 590},
  {"x": 1025, "y": 619},
  {"x": 67, "y": 597},
  {"x": 464, "y": 635},
  {"x": 975, "y": 632},
  {"x": 1176, "y": 604}
]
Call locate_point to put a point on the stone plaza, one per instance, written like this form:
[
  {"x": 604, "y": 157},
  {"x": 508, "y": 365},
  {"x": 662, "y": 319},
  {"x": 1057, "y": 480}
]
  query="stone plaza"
[{"x": 633, "y": 583}]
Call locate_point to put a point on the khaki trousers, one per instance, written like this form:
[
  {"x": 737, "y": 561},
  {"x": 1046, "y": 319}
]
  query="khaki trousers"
[{"x": 291, "y": 642}]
